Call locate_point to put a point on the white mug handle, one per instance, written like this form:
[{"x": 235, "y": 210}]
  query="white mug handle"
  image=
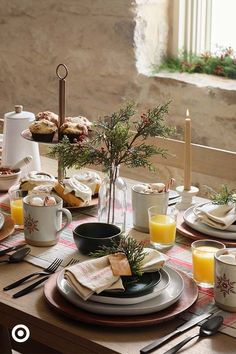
[{"x": 68, "y": 215}]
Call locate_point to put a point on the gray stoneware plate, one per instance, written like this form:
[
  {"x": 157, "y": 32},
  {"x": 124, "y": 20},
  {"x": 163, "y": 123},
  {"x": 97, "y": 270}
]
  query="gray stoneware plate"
[
  {"x": 205, "y": 207},
  {"x": 168, "y": 296},
  {"x": 164, "y": 282},
  {"x": 191, "y": 220}
]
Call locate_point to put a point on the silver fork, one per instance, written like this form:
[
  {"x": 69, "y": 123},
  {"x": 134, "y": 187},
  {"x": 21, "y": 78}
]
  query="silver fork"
[
  {"x": 47, "y": 271},
  {"x": 31, "y": 287}
]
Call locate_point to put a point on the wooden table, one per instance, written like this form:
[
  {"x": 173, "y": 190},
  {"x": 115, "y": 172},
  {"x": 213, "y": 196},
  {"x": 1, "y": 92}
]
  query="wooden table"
[
  {"x": 66, "y": 336},
  {"x": 52, "y": 333}
]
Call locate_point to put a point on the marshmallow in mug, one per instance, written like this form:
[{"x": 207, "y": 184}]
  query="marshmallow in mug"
[
  {"x": 143, "y": 197},
  {"x": 149, "y": 188},
  {"x": 42, "y": 201},
  {"x": 229, "y": 257}
]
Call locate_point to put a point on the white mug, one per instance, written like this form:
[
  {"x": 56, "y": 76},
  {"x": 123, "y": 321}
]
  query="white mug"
[
  {"x": 42, "y": 224},
  {"x": 140, "y": 204},
  {"x": 225, "y": 279}
]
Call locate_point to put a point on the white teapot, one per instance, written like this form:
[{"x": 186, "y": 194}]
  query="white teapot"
[{"x": 15, "y": 147}]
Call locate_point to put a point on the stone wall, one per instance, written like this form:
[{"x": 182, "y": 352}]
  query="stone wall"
[{"x": 95, "y": 39}]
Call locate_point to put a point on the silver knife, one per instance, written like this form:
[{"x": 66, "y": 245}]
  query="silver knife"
[
  {"x": 10, "y": 249},
  {"x": 149, "y": 348}
]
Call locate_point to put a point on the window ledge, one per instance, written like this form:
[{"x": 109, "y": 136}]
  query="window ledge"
[{"x": 201, "y": 80}]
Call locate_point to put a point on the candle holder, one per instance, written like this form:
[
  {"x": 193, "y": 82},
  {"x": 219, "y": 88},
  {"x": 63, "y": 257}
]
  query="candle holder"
[{"x": 186, "y": 197}]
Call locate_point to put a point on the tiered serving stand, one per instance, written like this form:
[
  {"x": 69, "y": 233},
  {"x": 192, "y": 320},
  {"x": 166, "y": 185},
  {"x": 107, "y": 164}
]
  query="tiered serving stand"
[
  {"x": 62, "y": 73},
  {"x": 61, "y": 115}
]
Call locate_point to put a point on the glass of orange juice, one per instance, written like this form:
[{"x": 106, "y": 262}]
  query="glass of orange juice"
[
  {"x": 203, "y": 252},
  {"x": 16, "y": 205},
  {"x": 162, "y": 227}
]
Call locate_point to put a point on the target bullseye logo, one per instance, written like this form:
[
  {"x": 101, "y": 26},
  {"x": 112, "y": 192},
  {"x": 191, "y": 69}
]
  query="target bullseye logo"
[{"x": 20, "y": 333}]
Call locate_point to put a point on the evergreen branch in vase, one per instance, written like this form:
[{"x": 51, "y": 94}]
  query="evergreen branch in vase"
[{"x": 115, "y": 140}]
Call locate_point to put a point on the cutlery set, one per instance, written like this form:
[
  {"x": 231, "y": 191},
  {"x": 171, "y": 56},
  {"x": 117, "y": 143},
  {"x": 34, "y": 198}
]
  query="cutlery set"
[
  {"x": 10, "y": 249},
  {"x": 208, "y": 328},
  {"x": 17, "y": 256}
]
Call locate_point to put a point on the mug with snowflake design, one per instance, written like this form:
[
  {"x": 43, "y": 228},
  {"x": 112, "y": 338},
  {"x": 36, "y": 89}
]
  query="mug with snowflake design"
[
  {"x": 225, "y": 279},
  {"x": 43, "y": 219}
]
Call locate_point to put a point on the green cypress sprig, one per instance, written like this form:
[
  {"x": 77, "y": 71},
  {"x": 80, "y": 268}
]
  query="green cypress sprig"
[
  {"x": 133, "y": 250},
  {"x": 222, "y": 64},
  {"x": 223, "y": 196}
]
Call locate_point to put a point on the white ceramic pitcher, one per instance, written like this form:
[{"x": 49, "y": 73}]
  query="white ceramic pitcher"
[{"x": 15, "y": 147}]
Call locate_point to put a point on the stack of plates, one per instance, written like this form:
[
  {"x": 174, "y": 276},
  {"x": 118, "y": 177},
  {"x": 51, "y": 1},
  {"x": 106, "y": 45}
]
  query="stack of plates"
[
  {"x": 148, "y": 298},
  {"x": 2, "y": 220},
  {"x": 190, "y": 219},
  {"x": 174, "y": 197}
]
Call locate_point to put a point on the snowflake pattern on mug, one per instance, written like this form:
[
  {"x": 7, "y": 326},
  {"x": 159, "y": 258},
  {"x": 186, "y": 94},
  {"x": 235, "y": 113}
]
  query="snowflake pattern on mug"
[
  {"x": 225, "y": 285},
  {"x": 31, "y": 224}
]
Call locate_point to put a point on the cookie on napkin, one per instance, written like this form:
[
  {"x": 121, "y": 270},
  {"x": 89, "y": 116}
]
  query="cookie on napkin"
[
  {"x": 119, "y": 264},
  {"x": 217, "y": 216}
]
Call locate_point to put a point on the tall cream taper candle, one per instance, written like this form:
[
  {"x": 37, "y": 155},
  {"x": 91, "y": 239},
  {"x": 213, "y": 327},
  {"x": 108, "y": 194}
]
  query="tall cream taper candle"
[{"x": 187, "y": 153}]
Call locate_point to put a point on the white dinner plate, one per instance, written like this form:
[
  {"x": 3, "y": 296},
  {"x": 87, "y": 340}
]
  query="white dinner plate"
[
  {"x": 168, "y": 296},
  {"x": 191, "y": 220},
  {"x": 164, "y": 282},
  {"x": 173, "y": 194},
  {"x": 2, "y": 220},
  {"x": 206, "y": 207}
]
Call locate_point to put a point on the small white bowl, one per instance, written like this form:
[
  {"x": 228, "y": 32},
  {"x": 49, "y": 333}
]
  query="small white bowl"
[{"x": 6, "y": 181}]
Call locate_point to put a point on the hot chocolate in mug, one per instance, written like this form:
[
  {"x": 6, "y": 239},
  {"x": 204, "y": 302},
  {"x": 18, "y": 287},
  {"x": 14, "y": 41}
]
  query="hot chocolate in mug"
[
  {"x": 43, "y": 223},
  {"x": 141, "y": 201}
]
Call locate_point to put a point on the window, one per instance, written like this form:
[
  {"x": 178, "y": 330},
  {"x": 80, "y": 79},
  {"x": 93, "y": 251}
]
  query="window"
[
  {"x": 191, "y": 26},
  {"x": 203, "y": 25},
  {"x": 222, "y": 27},
  {"x": 165, "y": 27},
  {"x": 170, "y": 27}
]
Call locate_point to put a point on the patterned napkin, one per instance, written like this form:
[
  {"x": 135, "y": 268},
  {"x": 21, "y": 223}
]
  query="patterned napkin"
[
  {"x": 96, "y": 275},
  {"x": 217, "y": 216}
]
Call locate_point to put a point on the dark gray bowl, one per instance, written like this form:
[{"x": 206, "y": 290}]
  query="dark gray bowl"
[{"x": 90, "y": 236}]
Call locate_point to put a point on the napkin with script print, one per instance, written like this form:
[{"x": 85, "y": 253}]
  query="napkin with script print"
[
  {"x": 217, "y": 216},
  {"x": 95, "y": 275}
]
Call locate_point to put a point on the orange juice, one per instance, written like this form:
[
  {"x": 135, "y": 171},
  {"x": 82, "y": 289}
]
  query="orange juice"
[
  {"x": 162, "y": 229},
  {"x": 203, "y": 264},
  {"x": 17, "y": 211}
]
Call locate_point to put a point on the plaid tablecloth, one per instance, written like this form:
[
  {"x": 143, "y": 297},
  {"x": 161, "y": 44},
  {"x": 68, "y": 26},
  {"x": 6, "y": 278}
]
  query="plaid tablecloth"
[{"x": 179, "y": 258}]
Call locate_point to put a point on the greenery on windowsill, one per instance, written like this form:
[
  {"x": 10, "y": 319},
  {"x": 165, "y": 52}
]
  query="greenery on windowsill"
[{"x": 222, "y": 64}]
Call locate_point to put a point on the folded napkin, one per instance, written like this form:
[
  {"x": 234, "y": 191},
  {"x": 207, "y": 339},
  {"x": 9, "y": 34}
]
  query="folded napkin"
[
  {"x": 217, "y": 216},
  {"x": 96, "y": 275}
]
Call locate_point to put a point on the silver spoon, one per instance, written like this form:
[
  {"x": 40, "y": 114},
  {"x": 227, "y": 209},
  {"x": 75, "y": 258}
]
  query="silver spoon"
[
  {"x": 17, "y": 256},
  {"x": 208, "y": 328}
]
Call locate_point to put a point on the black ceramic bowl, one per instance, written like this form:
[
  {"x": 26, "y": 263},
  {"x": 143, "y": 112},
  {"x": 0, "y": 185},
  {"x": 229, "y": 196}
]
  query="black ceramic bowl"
[{"x": 89, "y": 237}]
